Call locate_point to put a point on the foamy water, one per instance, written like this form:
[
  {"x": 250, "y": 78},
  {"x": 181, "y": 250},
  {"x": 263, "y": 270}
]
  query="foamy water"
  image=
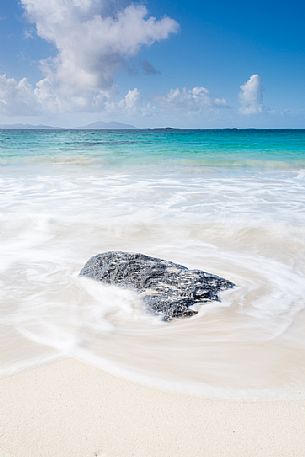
[{"x": 246, "y": 225}]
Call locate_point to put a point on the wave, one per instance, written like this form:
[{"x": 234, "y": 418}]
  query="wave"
[{"x": 247, "y": 229}]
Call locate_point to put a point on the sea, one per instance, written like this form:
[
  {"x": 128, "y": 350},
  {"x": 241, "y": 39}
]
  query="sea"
[{"x": 229, "y": 202}]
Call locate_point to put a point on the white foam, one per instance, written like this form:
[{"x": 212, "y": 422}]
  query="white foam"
[{"x": 247, "y": 229}]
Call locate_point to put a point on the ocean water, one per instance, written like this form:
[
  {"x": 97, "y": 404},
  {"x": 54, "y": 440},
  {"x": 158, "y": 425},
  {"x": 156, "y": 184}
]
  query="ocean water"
[{"x": 229, "y": 202}]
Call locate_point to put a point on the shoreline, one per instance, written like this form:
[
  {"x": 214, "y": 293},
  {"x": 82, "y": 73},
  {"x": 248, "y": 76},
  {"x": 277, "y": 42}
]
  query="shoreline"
[{"x": 70, "y": 409}]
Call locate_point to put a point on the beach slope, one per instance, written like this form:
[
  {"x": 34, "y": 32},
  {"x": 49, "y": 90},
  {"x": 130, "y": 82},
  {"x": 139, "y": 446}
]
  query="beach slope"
[{"x": 70, "y": 409}]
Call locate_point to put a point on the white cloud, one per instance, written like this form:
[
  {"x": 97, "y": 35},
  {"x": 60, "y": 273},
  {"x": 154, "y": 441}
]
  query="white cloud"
[
  {"x": 220, "y": 102},
  {"x": 194, "y": 99},
  {"x": 17, "y": 97},
  {"x": 127, "y": 104},
  {"x": 130, "y": 100},
  {"x": 22, "y": 99},
  {"x": 251, "y": 96},
  {"x": 92, "y": 39}
]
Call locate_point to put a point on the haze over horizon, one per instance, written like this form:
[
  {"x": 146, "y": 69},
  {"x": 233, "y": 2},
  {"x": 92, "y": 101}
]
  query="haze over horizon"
[{"x": 74, "y": 63}]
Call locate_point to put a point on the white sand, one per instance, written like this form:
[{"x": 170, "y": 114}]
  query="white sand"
[{"x": 69, "y": 409}]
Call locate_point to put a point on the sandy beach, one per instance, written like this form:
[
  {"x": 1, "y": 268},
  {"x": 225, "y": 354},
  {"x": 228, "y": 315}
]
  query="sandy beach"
[
  {"x": 70, "y": 409},
  {"x": 152, "y": 221},
  {"x": 85, "y": 369}
]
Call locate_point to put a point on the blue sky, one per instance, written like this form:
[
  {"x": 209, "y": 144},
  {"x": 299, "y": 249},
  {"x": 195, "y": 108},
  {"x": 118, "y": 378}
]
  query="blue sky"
[{"x": 184, "y": 71}]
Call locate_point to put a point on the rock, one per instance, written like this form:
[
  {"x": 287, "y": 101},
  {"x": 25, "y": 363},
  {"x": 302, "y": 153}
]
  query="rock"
[{"x": 166, "y": 288}]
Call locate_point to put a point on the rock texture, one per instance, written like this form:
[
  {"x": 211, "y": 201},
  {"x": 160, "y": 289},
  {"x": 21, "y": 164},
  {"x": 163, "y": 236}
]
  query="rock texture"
[{"x": 167, "y": 288}]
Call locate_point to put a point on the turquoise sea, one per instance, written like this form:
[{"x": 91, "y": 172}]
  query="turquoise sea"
[
  {"x": 121, "y": 148},
  {"x": 231, "y": 202}
]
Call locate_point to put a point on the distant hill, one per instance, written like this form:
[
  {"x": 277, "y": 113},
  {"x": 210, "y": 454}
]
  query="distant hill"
[
  {"x": 108, "y": 126},
  {"x": 26, "y": 127}
]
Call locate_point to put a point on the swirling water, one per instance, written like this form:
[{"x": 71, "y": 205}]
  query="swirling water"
[{"x": 228, "y": 202}]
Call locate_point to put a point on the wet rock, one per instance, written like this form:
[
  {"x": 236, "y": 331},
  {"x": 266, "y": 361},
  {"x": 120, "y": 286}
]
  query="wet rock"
[{"x": 167, "y": 288}]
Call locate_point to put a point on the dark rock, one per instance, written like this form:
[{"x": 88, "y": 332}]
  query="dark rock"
[{"x": 166, "y": 288}]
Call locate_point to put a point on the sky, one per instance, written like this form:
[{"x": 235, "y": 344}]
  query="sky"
[{"x": 194, "y": 64}]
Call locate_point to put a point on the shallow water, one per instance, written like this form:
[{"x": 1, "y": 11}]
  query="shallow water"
[{"x": 231, "y": 203}]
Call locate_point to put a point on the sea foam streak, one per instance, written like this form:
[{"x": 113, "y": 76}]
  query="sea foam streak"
[{"x": 247, "y": 227}]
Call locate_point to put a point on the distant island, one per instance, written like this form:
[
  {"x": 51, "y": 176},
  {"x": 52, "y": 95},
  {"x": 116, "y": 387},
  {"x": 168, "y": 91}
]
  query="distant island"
[
  {"x": 27, "y": 127},
  {"x": 99, "y": 125},
  {"x": 108, "y": 126}
]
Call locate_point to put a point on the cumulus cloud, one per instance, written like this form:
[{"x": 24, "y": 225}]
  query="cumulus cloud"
[
  {"x": 17, "y": 97},
  {"x": 251, "y": 96},
  {"x": 193, "y": 99},
  {"x": 127, "y": 104},
  {"x": 92, "y": 39},
  {"x": 21, "y": 98},
  {"x": 130, "y": 100}
]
